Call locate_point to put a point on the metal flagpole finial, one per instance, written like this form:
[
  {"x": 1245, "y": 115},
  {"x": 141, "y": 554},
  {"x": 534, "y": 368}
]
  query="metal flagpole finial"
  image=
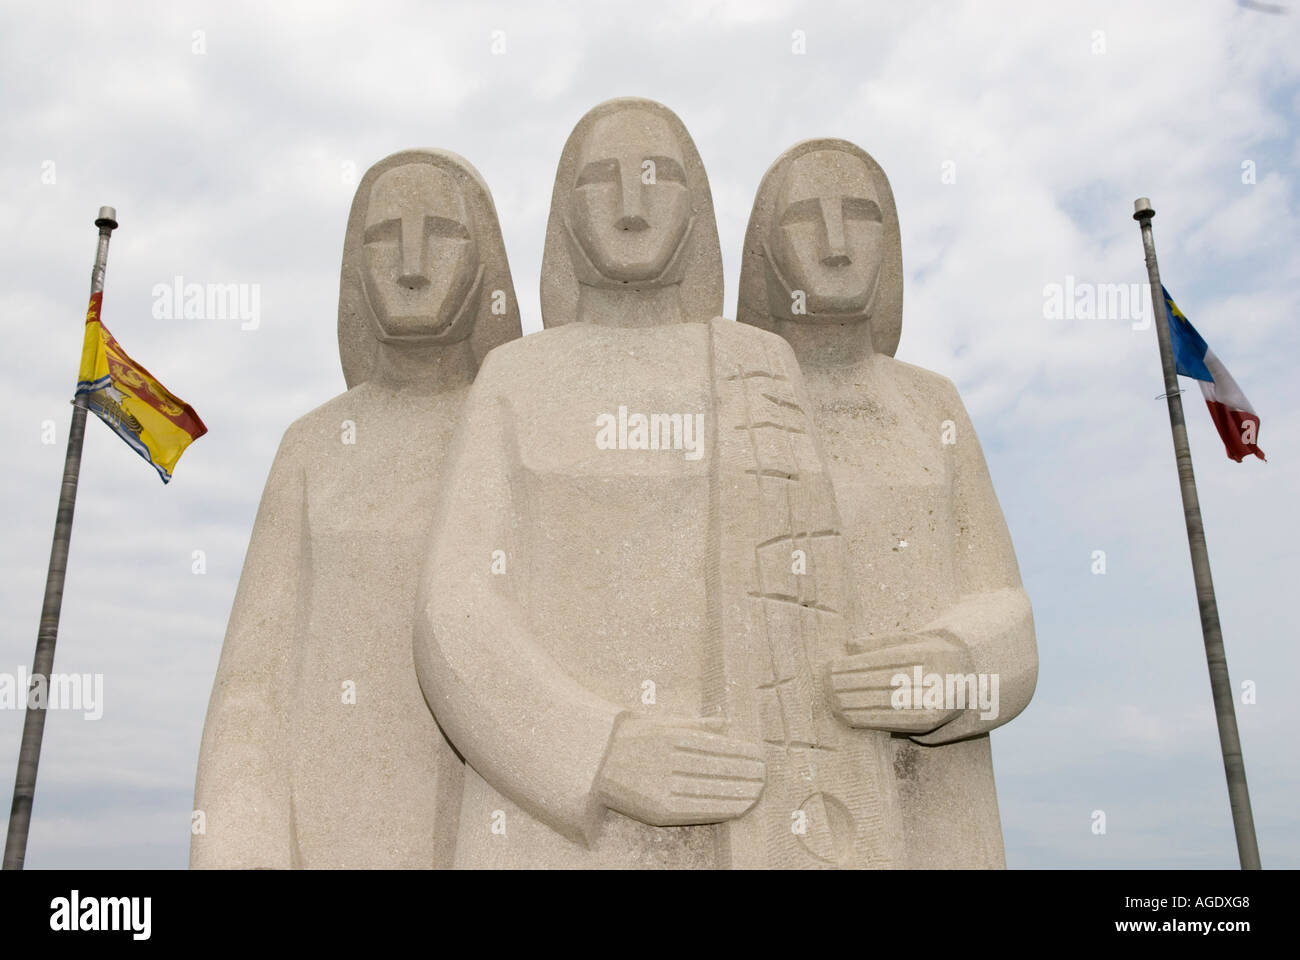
[
  {"x": 1142, "y": 209},
  {"x": 107, "y": 218}
]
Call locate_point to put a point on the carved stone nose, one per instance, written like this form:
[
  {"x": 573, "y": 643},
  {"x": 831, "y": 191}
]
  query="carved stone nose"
[
  {"x": 632, "y": 223},
  {"x": 836, "y": 260}
]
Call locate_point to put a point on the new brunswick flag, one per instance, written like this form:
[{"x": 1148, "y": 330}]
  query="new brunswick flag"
[{"x": 153, "y": 421}]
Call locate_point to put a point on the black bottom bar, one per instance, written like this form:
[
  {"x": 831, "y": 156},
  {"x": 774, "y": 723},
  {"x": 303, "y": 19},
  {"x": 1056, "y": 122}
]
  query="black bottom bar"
[{"x": 916, "y": 913}]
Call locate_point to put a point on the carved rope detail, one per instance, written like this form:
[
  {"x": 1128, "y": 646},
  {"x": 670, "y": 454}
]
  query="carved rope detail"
[{"x": 821, "y": 805}]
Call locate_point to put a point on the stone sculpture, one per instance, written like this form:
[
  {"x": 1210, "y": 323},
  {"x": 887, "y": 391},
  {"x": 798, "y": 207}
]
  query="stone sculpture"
[
  {"x": 659, "y": 589},
  {"x": 937, "y": 584},
  {"x": 637, "y": 578},
  {"x": 319, "y": 749}
]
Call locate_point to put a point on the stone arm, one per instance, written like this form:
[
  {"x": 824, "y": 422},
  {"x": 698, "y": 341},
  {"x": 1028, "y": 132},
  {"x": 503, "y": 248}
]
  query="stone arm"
[
  {"x": 515, "y": 715},
  {"x": 242, "y": 786},
  {"x": 992, "y": 619}
]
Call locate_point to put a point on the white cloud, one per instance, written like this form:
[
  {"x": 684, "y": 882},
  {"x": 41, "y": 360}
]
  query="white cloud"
[{"x": 228, "y": 166}]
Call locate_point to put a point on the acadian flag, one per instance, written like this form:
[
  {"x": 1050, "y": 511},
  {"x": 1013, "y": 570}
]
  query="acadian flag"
[
  {"x": 153, "y": 421},
  {"x": 1231, "y": 412}
]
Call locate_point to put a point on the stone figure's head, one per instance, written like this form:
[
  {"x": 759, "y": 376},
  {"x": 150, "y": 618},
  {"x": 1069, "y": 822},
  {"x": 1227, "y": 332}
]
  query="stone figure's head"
[
  {"x": 423, "y": 262},
  {"x": 631, "y": 209},
  {"x": 823, "y": 244}
]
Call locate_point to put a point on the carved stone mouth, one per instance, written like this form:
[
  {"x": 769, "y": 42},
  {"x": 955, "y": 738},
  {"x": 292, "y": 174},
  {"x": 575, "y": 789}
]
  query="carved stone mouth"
[
  {"x": 586, "y": 271},
  {"x": 444, "y": 326},
  {"x": 468, "y": 302},
  {"x": 779, "y": 290}
]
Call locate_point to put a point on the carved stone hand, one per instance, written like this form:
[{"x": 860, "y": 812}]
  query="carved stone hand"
[
  {"x": 675, "y": 772},
  {"x": 862, "y": 686}
]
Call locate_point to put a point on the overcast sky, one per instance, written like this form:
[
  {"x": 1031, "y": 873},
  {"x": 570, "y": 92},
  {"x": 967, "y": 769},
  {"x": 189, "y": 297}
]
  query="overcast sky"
[{"x": 232, "y": 156}]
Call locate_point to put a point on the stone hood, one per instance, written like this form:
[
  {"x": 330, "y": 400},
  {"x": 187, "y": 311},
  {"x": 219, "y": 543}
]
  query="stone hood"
[
  {"x": 357, "y": 342},
  {"x": 698, "y": 261},
  {"x": 887, "y": 311}
]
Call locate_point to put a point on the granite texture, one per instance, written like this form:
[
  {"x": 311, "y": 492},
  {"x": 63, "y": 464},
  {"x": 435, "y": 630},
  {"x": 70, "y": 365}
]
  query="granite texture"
[
  {"x": 319, "y": 749},
  {"x": 937, "y": 584},
  {"x": 642, "y": 589},
  {"x": 637, "y": 679}
]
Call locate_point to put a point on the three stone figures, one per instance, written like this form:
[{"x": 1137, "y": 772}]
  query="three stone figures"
[{"x": 648, "y": 588}]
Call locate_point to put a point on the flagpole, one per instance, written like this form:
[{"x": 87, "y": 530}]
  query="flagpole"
[
  {"x": 29, "y": 753},
  {"x": 1234, "y": 766}
]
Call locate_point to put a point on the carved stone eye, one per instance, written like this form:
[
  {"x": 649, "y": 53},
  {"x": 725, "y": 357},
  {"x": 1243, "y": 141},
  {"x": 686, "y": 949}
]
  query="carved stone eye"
[
  {"x": 666, "y": 168},
  {"x": 445, "y": 228},
  {"x": 386, "y": 231},
  {"x": 598, "y": 171},
  {"x": 802, "y": 211},
  {"x": 859, "y": 208}
]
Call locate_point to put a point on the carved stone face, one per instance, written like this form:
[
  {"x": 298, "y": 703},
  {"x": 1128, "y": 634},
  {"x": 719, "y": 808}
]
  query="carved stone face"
[
  {"x": 628, "y": 228},
  {"x": 827, "y": 234},
  {"x": 421, "y": 258}
]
